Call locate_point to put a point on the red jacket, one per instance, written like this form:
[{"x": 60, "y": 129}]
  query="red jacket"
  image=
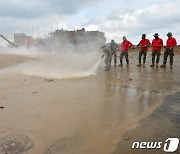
[
  {"x": 157, "y": 44},
  {"x": 143, "y": 44},
  {"x": 125, "y": 45},
  {"x": 171, "y": 42}
]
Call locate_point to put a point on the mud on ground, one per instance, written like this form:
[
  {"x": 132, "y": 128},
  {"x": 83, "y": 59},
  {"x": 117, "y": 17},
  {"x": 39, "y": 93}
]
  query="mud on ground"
[{"x": 86, "y": 115}]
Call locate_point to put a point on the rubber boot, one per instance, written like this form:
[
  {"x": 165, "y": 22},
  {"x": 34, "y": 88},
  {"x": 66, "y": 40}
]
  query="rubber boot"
[
  {"x": 152, "y": 65},
  {"x": 163, "y": 65}
]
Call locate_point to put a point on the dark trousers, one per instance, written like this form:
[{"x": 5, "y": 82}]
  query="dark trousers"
[
  {"x": 114, "y": 53},
  {"x": 170, "y": 53},
  {"x": 144, "y": 53},
  {"x": 126, "y": 56},
  {"x": 154, "y": 54}
]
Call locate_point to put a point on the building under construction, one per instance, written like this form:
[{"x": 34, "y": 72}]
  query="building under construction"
[
  {"x": 73, "y": 40},
  {"x": 21, "y": 39}
]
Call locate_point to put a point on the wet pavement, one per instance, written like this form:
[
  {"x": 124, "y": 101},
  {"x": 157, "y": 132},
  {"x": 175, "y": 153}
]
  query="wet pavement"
[
  {"x": 162, "y": 124},
  {"x": 83, "y": 115}
]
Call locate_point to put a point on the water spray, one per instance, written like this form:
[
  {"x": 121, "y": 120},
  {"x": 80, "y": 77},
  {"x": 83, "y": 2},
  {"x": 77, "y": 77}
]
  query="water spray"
[{"x": 94, "y": 68}]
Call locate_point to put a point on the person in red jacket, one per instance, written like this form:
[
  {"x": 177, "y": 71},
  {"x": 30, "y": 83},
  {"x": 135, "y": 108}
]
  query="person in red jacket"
[
  {"x": 144, "y": 43},
  {"x": 170, "y": 44},
  {"x": 157, "y": 43},
  {"x": 124, "y": 47}
]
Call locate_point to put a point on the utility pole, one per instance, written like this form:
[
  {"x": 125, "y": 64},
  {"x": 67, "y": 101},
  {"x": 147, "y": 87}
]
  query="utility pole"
[
  {"x": 32, "y": 30},
  {"x": 51, "y": 27},
  {"x": 26, "y": 29},
  {"x": 38, "y": 30},
  {"x": 44, "y": 31}
]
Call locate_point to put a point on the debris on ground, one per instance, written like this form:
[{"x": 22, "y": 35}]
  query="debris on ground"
[
  {"x": 48, "y": 80},
  {"x": 127, "y": 138}
]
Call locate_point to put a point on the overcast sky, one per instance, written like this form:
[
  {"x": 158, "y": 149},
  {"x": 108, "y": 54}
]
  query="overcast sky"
[{"x": 116, "y": 17}]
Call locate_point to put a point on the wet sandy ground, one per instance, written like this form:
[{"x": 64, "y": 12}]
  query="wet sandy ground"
[
  {"x": 83, "y": 115},
  {"x": 160, "y": 125}
]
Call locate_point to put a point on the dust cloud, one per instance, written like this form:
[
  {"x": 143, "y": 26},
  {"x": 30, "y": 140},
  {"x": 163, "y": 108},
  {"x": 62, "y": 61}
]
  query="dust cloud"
[{"x": 60, "y": 61}]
